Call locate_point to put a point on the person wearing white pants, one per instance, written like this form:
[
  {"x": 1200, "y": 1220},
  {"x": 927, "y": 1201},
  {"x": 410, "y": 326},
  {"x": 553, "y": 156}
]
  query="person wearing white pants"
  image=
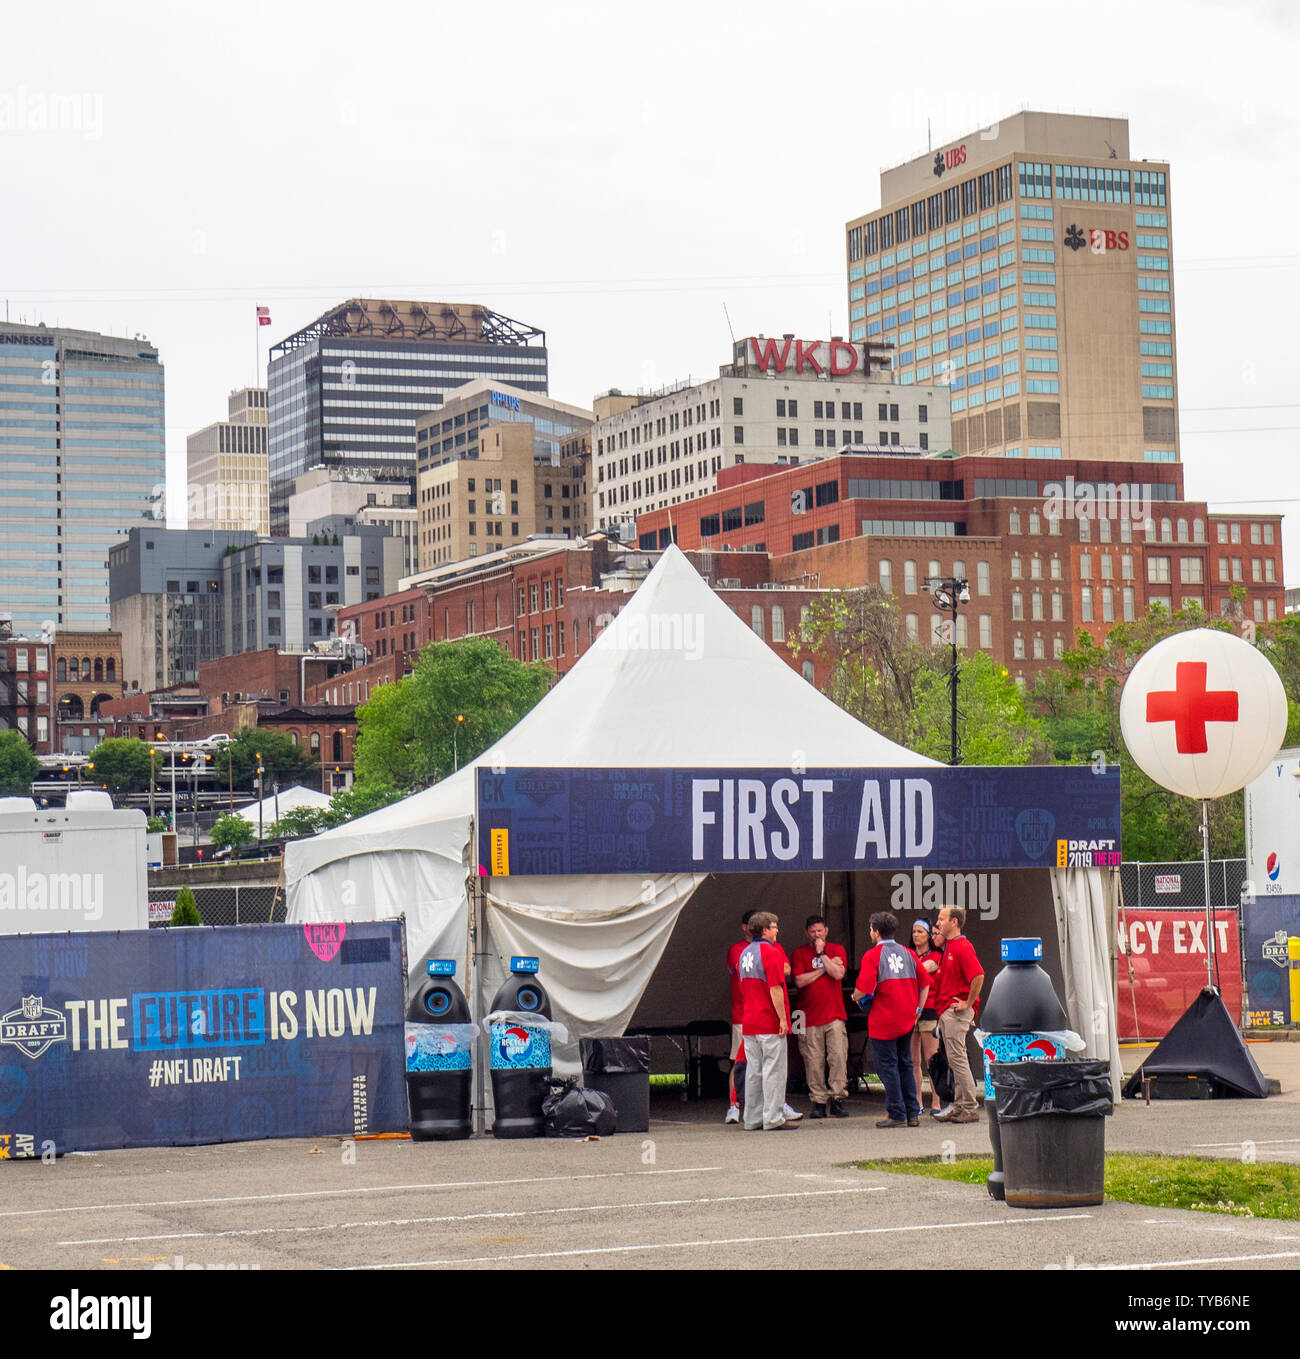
[{"x": 766, "y": 1026}]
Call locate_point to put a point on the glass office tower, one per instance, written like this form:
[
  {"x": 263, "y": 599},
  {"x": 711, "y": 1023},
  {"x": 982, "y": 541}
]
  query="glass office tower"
[{"x": 81, "y": 434}]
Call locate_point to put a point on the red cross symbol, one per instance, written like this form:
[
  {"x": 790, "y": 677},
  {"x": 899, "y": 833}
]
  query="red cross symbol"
[{"x": 1189, "y": 707}]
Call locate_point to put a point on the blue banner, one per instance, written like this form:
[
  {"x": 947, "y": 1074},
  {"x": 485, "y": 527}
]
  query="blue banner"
[
  {"x": 574, "y": 821},
  {"x": 1267, "y": 923},
  {"x": 172, "y": 1037}
]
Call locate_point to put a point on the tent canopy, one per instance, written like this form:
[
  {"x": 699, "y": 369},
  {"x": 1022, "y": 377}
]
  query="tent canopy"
[
  {"x": 286, "y": 800},
  {"x": 677, "y": 680}
]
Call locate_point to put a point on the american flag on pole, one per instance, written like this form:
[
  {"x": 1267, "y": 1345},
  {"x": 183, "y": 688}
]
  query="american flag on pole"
[{"x": 264, "y": 316}]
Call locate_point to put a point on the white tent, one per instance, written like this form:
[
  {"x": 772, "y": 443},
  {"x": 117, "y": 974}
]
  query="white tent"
[
  {"x": 286, "y": 800},
  {"x": 677, "y": 681}
]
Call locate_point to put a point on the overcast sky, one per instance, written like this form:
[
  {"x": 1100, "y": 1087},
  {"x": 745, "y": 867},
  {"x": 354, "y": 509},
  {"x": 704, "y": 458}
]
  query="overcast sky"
[{"x": 614, "y": 174}]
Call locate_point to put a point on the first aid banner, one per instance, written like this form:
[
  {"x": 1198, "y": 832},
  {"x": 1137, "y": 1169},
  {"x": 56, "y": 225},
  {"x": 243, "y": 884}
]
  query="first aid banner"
[
  {"x": 596, "y": 821},
  {"x": 171, "y": 1037}
]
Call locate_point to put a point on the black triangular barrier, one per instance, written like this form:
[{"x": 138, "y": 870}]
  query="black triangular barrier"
[{"x": 1204, "y": 1042}]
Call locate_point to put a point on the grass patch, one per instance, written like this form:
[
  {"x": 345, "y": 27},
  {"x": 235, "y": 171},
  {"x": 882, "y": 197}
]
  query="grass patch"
[{"x": 1264, "y": 1189}]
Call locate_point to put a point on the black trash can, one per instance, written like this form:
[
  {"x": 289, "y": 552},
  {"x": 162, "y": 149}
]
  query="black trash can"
[
  {"x": 620, "y": 1068},
  {"x": 1051, "y": 1117}
]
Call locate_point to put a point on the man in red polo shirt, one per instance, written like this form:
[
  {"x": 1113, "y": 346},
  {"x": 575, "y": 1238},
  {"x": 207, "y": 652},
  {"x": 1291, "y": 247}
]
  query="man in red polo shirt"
[
  {"x": 958, "y": 986},
  {"x": 737, "y": 1090},
  {"x": 893, "y": 980},
  {"x": 819, "y": 967},
  {"x": 767, "y": 1022}
]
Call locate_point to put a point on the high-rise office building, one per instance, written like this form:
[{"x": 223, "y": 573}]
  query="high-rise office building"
[
  {"x": 228, "y": 486},
  {"x": 347, "y": 389},
  {"x": 1027, "y": 266},
  {"x": 81, "y": 431}
]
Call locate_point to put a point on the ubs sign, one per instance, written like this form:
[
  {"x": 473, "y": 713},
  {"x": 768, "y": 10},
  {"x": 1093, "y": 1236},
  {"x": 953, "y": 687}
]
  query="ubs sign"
[
  {"x": 949, "y": 160},
  {"x": 821, "y": 358}
]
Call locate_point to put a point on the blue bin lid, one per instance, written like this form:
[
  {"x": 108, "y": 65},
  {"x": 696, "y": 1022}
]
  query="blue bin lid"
[
  {"x": 1025, "y": 950},
  {"x": 442, "y": 967},
  {"x": 523, "y": 964}
]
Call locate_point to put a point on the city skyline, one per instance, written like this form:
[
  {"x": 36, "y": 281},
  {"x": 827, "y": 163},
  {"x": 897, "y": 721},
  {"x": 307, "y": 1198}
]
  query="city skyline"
[{"x": 613, "y": 215}]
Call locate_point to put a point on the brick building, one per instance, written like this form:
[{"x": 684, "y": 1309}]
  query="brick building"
[{"x": 1046, "y": 549}]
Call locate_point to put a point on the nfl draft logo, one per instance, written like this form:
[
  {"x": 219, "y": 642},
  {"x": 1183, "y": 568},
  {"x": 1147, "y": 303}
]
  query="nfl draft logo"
[
  {"x": 1275, "y": 950},
  {"x": 33, "y": 1029}
]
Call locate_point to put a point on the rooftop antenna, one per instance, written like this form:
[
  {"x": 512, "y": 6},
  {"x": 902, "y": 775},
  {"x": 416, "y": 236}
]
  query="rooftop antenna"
[{"x": 727, "y": 314}]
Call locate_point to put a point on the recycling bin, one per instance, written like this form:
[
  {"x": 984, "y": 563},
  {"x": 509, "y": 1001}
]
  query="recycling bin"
[
  {"x": 519, "y": 1036},
  {"x": 439, "y": 1057},
  {"x": 1020, "y": 1015},
  {"x": 1053, "y": 1121},
  {"x": 620, "y": 1068}
]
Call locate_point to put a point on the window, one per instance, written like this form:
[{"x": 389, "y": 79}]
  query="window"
[
  {"x": 909, "y": 577},
  {"x": 986, "y": 631},
  {"x": 913, "y": 627},
  {"x": 1013, "y": 522},
  {"x": 1015, "y": 567},
  {"x": 1017, "y": 605},
  {"x": 756, "y": 619},
  {"x": 886, "y": 575},
  {"x": 1158, "y": 570},
  {"x": 1086, "y": 600},
  {"x": 982, "y": 584},
  {"x": 778, "y": 623},
  {"x": 1085, "y": 562},
  {"x": 1055, "y": 569},
  {"x": 1058, "y": 606},
  {"x": 1190, "y": 570}
]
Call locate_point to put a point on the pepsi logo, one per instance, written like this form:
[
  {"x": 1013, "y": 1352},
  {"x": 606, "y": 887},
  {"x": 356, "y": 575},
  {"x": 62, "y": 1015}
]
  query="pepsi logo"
[{"x": 1273, "y": 867}]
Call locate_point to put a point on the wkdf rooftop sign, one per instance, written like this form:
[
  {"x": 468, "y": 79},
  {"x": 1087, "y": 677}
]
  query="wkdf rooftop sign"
[{"x": 597, "y": 821}]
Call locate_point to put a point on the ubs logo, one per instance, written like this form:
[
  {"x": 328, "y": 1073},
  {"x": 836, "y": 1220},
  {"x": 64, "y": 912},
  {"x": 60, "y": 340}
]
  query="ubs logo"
[{"x": 949, "y": 160}]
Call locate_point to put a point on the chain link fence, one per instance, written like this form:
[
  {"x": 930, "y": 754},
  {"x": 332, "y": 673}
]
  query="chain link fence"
[{"x": 256, "y": 904}]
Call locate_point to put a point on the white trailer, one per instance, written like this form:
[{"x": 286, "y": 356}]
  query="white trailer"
[{"x": 80, "y": 867}]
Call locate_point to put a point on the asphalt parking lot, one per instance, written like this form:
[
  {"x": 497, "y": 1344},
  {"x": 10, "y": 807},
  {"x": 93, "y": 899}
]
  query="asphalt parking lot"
[{"x": 690, "y": 1194}]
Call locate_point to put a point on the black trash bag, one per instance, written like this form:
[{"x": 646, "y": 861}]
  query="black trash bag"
[
  {"x": 1030, "y": 1089},
  {"x": 616, "y": 1056},
  {"x": 571, "y": 1111},
  {"x": 941, "y": 1081}
]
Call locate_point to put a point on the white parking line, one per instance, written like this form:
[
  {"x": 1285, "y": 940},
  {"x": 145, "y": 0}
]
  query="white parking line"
[
  {"x": 471, "y": 1217},
  {"x": 723, "y": 1241},
  {"x": 1271, "y": 1142},
  {"x": 1206, "y": 1260},
  {"x": 366, "y": 1189}
]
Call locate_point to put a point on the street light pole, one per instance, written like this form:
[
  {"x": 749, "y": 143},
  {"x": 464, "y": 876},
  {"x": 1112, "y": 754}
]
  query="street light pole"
[{"x": 949, "y": 594}]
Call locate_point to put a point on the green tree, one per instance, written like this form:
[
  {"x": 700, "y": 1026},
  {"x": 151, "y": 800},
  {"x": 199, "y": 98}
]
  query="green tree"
[
  {"x": 156, "y": 823},
  {"x": 121, "y": 763},
  {"x": 1280, "y": 642},
  {"x": 283, "y": 760},
  {"x": 230, "y": 831},
  {"x": 460, "y": 698},
  {"x": 298, "y": 823},
  {"x": 186, "y": 910},
  {"x": 18, "y": 765},
  {"x": 359, "y": 800},
  {"x": 900, "y": 688}
]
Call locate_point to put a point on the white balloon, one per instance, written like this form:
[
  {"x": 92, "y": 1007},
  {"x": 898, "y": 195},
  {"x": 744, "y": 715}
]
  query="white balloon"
[{"x": 1203, "y": 713}]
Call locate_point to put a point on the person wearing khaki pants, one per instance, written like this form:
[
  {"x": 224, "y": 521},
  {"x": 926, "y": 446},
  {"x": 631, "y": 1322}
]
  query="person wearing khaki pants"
[
  {"x": 819, "y": 968},
  {"x": 960, "y": 980}
]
